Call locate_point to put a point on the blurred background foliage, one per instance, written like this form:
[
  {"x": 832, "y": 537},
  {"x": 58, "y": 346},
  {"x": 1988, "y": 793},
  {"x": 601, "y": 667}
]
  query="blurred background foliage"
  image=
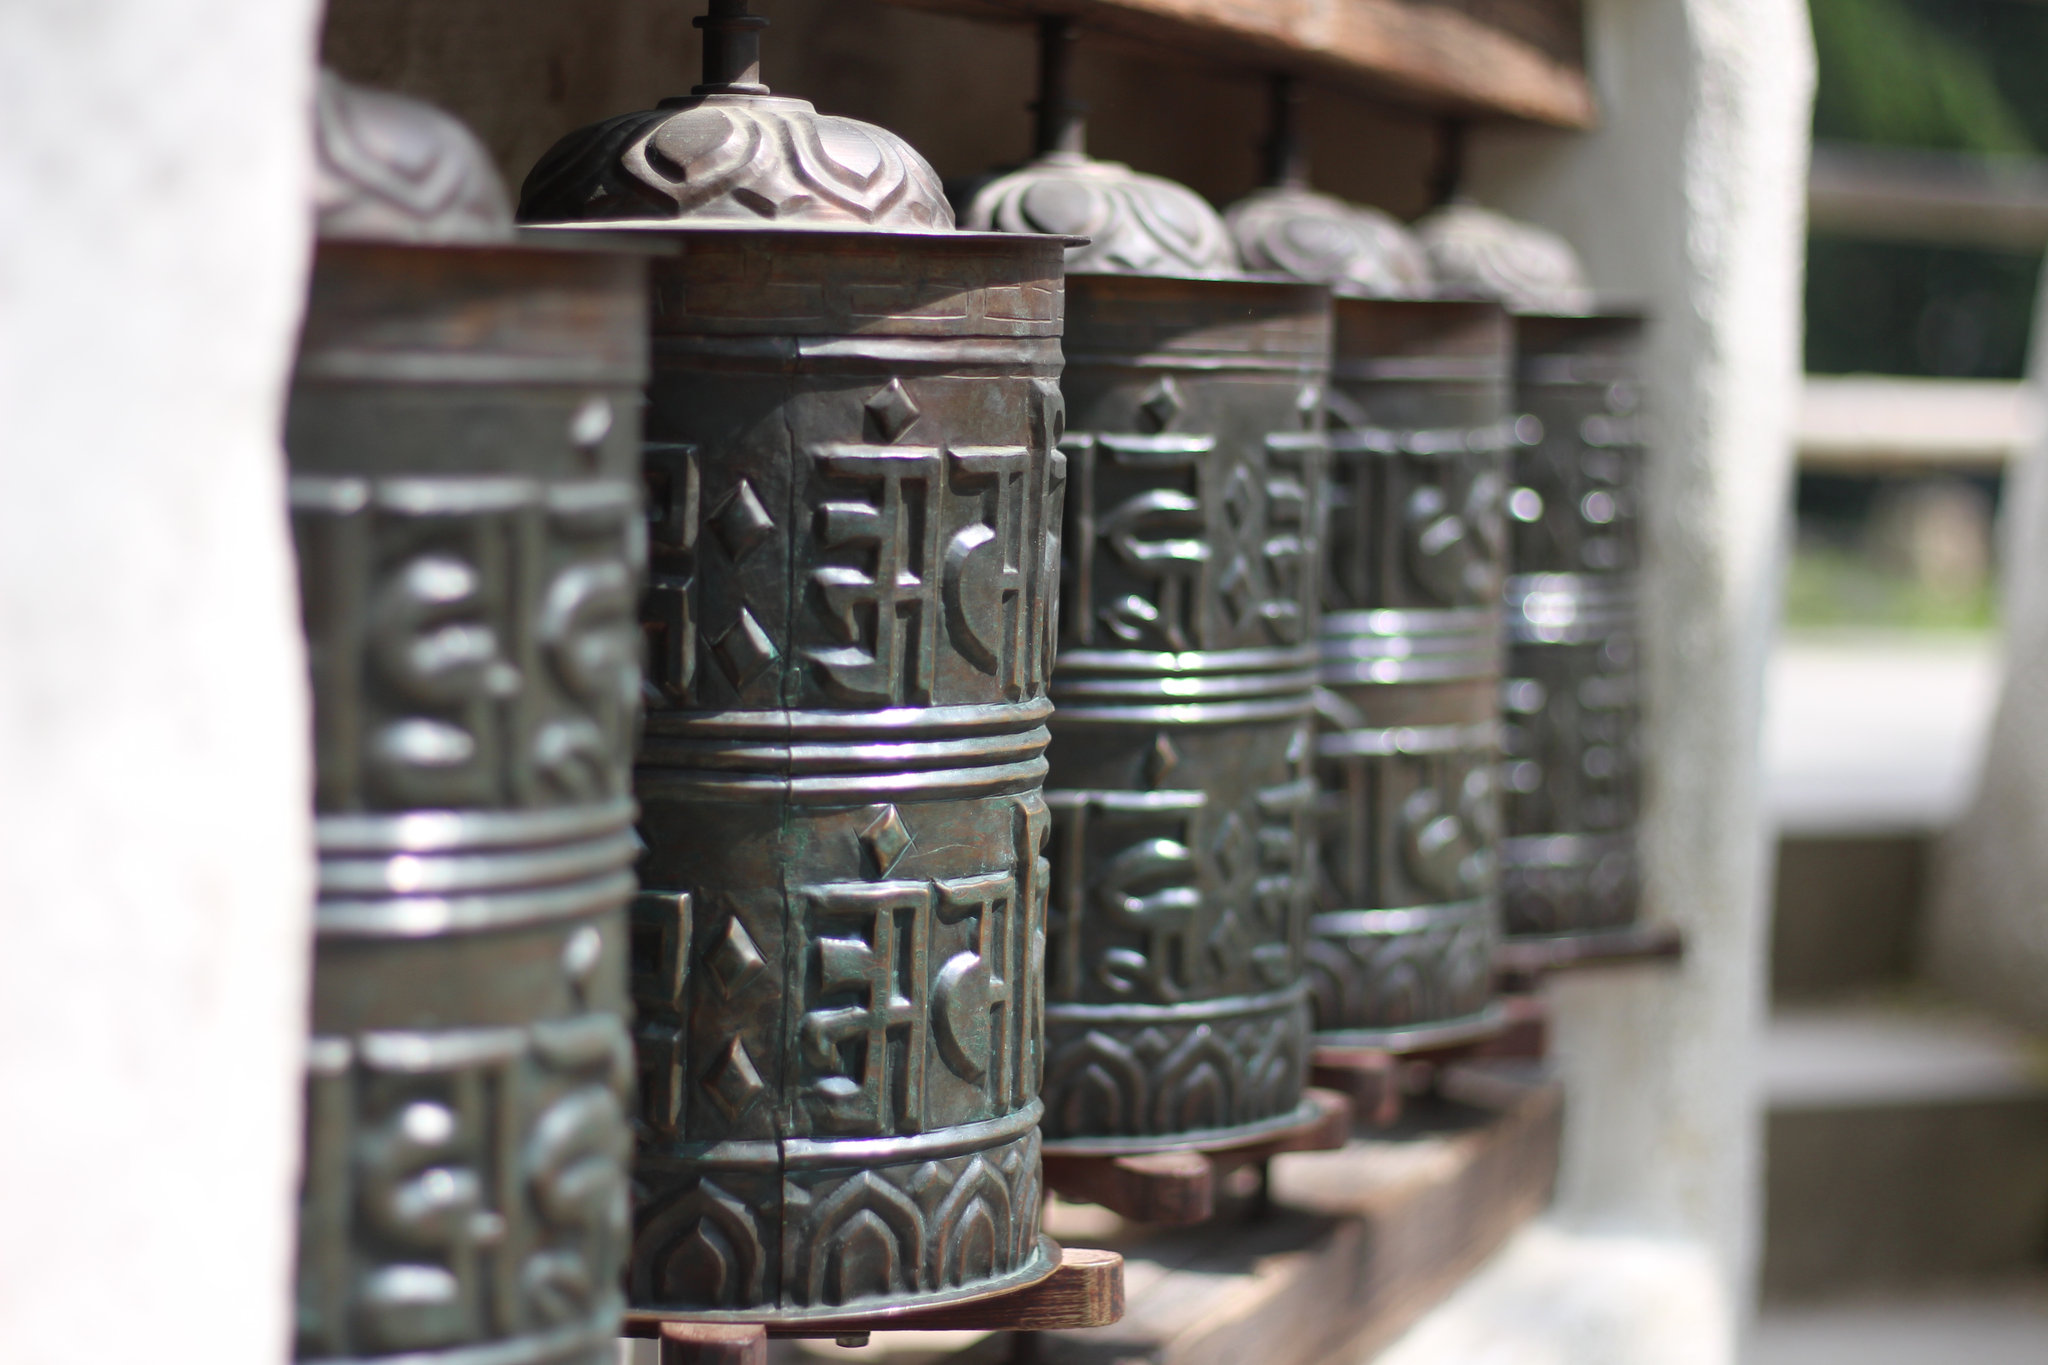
[
  {"x": 1962, "y": 76},
  {"x": 1965, "y": 78}
]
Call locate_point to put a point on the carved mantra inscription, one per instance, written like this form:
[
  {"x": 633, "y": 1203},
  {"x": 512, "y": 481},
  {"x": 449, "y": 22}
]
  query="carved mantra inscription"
[
  {"x": 1177, "y": 547},
  {"x": 472, "y": 639},
  {"x": 914, "y": 1016},
  {"x": 482, "y": 1171},
  {"x": 897, "y": 975},
  {"x": 923, "y": 574},
  {"x": 1419, "y": 515},
  {"x": 1177, "y": 920},
  {"x": 1163, "y": 901}
]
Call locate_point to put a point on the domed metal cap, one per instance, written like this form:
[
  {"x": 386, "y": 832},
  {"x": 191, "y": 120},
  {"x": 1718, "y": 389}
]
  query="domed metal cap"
[
  {"x": 1289, "y": 229},
  {"x": 733, "y": 155},
  {"x": 1137, "y": 224},
  {"x": 393, "y": 169},
  {"x": 1477, "y": 253},
  {"x": 1314, "y": 237}
]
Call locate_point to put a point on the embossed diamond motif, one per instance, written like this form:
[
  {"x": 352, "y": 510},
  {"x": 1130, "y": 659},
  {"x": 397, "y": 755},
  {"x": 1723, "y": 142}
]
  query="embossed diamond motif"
[
  {"x": 1162, "y": 762},
  {"x": 1163, "y": 406},
  {"x": 1235, "y": 849},
  {"x": 892, "y": 411},
  {"x": 736, "y": 961},
  {"x": 734, "y": 1082},
  {"x": 744, "y": 650},
  {"x": 741, "y": 522},
  {"x": 886, "y": 840}
]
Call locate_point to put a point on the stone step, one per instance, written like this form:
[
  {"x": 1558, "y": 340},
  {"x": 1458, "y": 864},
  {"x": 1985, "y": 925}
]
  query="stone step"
[
  {"x": 2001, "y": 1323},
  {"x": 1904, "y": 1142}
]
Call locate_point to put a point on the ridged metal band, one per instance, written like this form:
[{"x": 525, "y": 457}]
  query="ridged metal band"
[
  {"x": 1557, "y": 608},
  {"x": 1563, "y": 850},
  {"x": 1395, "y": 647},
  {"x": 1428, "y": 441},
  {"x": 1482, "y": 737}
]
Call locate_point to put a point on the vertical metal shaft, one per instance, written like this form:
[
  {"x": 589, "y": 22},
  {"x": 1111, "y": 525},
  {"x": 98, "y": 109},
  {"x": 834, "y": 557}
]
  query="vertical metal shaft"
[
  {"x": 732, "y": 49},
  {"x": 1286, "y": 150},
  {"x": 1447, "y": 181},
  {"x": 1062, "y": 120}
]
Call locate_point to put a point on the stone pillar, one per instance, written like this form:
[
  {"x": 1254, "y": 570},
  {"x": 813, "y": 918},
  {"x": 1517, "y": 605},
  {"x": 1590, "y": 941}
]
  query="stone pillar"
[
  {"x": 155, "y": 849},
  {"x": 1987, "y": 920},
  {"x": 1688, "y": 200}
]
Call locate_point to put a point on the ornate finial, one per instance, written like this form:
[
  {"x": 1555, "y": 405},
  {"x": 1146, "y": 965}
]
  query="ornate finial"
[
  {"x": 394, "y": 169},
  {"x": 1137, "y": 224},
  {"x": 733, "y": 155},
  {"x": 1477, "y": 253},
  {"x": 1289, "y": 229}
]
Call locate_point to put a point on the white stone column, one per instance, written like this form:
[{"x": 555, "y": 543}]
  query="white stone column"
[
  {"x": 1987, "y": 920},
  {"x": 155, "y": 843},
  {"x": 1689, "y": 199}
]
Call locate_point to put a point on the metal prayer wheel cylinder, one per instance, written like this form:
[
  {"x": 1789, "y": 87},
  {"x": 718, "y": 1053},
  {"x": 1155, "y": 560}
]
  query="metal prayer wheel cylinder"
[
  {"x": 1407, "y": 920},
  {"x": 854, "y": 496},
  {"x": 839, "y": 966},
  {"x": 464, "y": 443},
  {"x": 1181, "y": 787},
  {"x": 1573, "y": 768}
]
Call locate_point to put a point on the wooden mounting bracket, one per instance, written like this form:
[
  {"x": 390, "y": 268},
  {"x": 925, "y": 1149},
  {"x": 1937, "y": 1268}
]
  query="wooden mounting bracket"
[
  {"x": 1177, "y": 1187},
  {"x": 1087, "y": 1290},
  {"x": 1378, "y": 1081},
  {"x": 1523, "y": 962}
]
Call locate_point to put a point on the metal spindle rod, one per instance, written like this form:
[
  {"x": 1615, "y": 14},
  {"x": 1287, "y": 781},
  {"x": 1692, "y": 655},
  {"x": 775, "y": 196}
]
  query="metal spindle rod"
[
  {"x": 1286, "y": 149},
  {"x": 732, "y": 49},
  {"x": 1062, "y": 120}
]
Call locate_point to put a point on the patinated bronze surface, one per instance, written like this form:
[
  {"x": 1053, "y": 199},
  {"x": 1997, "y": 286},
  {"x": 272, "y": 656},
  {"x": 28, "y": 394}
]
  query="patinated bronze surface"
[
  {"x": 1181, "y": 789},
  {"x": 854, "y": 492},
  {"x": 1573, "y": 770},
  {"x": 1475, "y": 253},
  {"x": 1407, "y": 915},
  {"x": 1181, "y": 786},
  {"x": 463, "y": 435},
  {"x": 391, "y": 169}
]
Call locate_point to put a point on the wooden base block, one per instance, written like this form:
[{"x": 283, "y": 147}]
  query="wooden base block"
[
  {"x": 713, "y": 1343},
  {"x": 1087, "y": 1290},
  {"x": 1177, "y": 1187},
  {"x": 1522, "y": 962}
]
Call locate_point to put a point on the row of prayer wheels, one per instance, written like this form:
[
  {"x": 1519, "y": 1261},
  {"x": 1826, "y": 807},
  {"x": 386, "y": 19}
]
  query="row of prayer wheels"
[{"x": 1044, "y": 677}]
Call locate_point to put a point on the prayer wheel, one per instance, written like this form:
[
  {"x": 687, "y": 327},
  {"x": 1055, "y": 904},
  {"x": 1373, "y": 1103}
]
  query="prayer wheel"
[
  {"x": 1408, "y": 918},
  {"x": 1573, "y": 769},
  {"x": 1401, "y": 947},
  {"x": 1181, "y": 788},
  {"x": 463, "y": 441},
  {"x": 854, "y": 489}
]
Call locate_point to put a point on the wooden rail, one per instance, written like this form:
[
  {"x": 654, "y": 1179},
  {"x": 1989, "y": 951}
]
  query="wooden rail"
[
  {"x": 1502, "y": 59},
  {"x": 1358, "y": 1243}
]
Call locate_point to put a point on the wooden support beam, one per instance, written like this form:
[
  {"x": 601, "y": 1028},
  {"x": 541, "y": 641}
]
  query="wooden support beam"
[
  {"x": 1356, "y": 1244},
  {"x": 1505, "y": 59}
]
